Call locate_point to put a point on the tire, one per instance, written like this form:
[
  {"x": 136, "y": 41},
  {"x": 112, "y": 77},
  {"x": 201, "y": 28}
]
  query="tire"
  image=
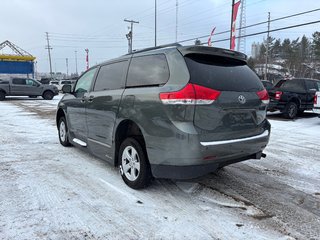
[
  {"x": 48, "y": 95},
  {"x": 300, "y": 112},
  {"x": 2, "y": 95},
  {"x": 133, "y": 164},
  {"x": 291, "y": 110},
  {"x": 63, "y": 132}
]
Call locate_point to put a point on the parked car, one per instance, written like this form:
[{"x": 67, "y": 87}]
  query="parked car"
[
  {"x": 55, "y": 83},
  {"x": 60, "y": 83},
  {"x": 26, "y": 87},
  {"x": 294, "y": 96},
  {"x": 45, "y": 80},
  {"x": 66, "y": 82},
  {"x": 167, "y": 112},
  {"x": 316, "y": 103}
]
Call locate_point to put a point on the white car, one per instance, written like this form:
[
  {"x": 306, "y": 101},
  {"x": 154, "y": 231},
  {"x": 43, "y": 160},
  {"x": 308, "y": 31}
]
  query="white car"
[
  {"x": 316, "y": 104},
  {"x": 59, "y": 83}
]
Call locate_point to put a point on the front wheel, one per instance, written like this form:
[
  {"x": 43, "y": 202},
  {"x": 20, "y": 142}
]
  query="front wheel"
[
  {"x": 63, "y": 132},
  {"x": 134, "y": 166},
  {"x": 48, "y": 95},
  {"x": 291, "y": 110}
]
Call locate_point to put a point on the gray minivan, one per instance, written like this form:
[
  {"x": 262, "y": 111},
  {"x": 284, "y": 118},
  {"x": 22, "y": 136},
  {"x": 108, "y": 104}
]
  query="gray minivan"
[{"x": 169, "y": 112}]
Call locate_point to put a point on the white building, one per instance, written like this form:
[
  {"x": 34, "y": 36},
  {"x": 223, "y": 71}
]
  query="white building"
[{"x": 255, "y": 49}]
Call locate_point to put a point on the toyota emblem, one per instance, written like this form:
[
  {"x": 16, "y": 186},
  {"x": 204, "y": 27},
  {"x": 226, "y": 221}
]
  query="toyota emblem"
[{"x": 242, "y": 99}]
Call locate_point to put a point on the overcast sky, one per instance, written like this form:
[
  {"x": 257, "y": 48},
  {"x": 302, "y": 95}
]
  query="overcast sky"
[{"x": 74, "y": 25}]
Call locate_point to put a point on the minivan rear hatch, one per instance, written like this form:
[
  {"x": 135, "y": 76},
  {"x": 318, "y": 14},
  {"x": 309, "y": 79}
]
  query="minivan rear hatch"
[{"x": 240, "y": 109}]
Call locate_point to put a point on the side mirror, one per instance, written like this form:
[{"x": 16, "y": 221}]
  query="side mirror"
[{"x": 66, "y": 88}]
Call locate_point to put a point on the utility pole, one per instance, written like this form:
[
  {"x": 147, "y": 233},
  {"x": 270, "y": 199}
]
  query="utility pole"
[
  {"x": 231, "y": 23},
  {"x": 75, "y": 53},
  {"x": 155, "y": 23},
  {"x": 130, "y": 34},
  {"x": 49, "y": 48},
  {"x": 267, "y": 49},
  {"x": 87, "y": 57},
  {"x": 177, "y": 20},
  {"x": 67, "y": 65}
]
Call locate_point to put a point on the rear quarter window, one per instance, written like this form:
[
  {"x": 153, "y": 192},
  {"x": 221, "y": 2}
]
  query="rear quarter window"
[
  {"x": 221, "y": 73},
  {"x": 151, "y": 70}
]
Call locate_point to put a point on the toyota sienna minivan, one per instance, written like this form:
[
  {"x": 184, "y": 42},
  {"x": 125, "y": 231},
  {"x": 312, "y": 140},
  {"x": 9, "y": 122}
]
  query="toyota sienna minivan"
[{"x": 175, "y": 112}]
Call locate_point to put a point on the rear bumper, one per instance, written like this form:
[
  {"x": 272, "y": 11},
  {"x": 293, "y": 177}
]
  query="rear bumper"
[
  {"x": 276, "y": 105},
  {"x": 195, "y": 171},
  {"x": 196, "y": 158},
  {"x": 317, "y": 110}
]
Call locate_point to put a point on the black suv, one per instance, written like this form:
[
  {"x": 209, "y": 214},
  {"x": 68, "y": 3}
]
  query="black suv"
[
  {"x": 293, "y": 96},
  {"x": 172, "y": 112}
]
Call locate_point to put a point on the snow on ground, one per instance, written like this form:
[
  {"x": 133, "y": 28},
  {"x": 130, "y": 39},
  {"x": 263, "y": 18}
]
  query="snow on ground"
[{"x": 52, "y": 192}]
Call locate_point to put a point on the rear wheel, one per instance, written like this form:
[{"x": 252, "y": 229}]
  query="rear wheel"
[
  {"x": 63, "y": 132},
  {"x": 134, "y": 166},
  {"x": 2, "y": 95},
  {"x": 291, "y": 110},
  {"x": 47, "y": 95}
]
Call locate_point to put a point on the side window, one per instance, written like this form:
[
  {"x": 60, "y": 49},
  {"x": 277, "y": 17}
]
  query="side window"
[
  {"x": 318, "y": 85},
  {"x": 293, "y": 85},
  {"x": 85, "y": 81},
  {"x": 19, "y": 81},
  {"x": 148, "y": 70},
  {"x": 310, "y": 84},
  {"x": 111, "y": 76},
  {"x": 30, "y": 82}
]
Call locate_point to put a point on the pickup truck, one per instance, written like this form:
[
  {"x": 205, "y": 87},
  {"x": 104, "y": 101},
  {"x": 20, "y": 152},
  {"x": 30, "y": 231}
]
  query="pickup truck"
[
  {"x": 293, "y": 96},
  {"x": 26, "y": 87},
  {"x": 316, "y": 104}
]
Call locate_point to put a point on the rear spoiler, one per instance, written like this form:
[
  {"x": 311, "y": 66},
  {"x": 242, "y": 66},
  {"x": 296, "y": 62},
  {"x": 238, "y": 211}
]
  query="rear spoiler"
[{"x": 221, "y": 52}]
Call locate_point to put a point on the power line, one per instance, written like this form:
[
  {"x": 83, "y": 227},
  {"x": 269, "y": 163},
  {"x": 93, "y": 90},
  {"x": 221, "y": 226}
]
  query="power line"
[
  {"x": 252, "y": 25},
  {"x": 273, "y": 30}
]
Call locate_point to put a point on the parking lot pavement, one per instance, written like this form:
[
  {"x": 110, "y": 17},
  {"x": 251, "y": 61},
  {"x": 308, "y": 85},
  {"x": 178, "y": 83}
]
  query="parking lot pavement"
[{"x": 52, "y": 192}]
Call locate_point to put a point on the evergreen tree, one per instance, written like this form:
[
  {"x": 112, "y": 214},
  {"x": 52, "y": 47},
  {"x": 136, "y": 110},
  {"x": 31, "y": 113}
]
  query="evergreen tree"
[{"x": 316, "y": 45}]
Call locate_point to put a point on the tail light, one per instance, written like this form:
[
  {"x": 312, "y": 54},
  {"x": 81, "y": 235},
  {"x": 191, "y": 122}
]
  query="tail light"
[
  {"x": 278, "y": 95},
  {"x": 264, "y": 97},
  {"x": 315, "y": 100},
  {"x": 191, "y": 94}
]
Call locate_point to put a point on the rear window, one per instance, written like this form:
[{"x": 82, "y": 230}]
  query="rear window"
[{"x": 223, "y": 74}]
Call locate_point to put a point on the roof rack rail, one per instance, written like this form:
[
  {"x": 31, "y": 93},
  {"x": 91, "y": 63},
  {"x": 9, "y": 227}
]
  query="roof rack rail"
[{"x": 157, "y": 47}]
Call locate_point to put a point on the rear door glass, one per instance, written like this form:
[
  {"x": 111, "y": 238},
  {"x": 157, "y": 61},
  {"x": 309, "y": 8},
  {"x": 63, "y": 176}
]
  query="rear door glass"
[
  {"x": 294, "y": 85},
  {"x": 223, "y": 74},
  {"x": 19, "y": 81}
]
